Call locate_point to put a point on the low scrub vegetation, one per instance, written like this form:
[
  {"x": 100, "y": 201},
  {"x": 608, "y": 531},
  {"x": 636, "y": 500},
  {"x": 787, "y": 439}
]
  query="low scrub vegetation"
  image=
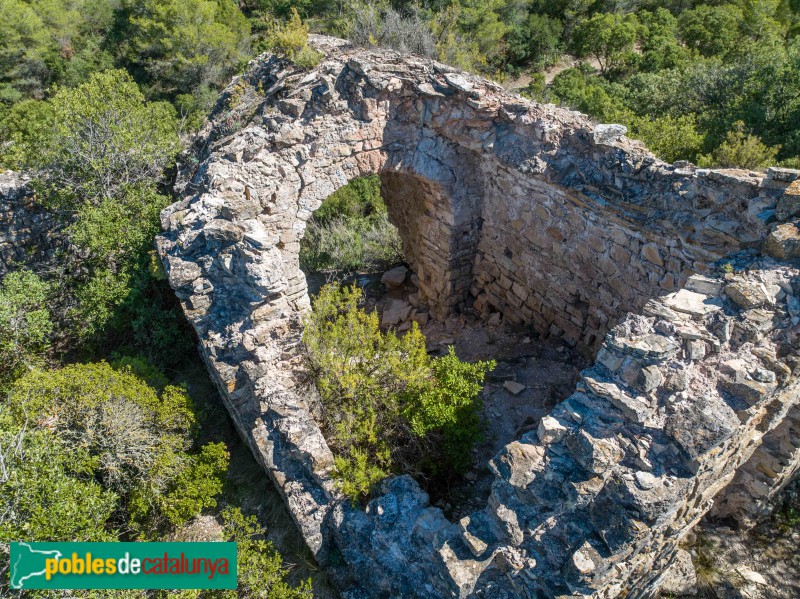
[
  {"x": 389, "y": 406},
  {"x": 351, "y": 232},
  {"x": 291, "y": 40}
]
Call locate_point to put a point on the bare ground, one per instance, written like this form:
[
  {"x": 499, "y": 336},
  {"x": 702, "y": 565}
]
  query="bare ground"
[{"x": 546, "y": 371}]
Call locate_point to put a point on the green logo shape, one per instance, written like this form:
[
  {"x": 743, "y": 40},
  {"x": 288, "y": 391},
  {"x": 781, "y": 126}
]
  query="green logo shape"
[{"x": 123, "y": 565}]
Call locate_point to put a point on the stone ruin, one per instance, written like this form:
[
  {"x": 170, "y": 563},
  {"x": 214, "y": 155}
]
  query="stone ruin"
[
  {"x": 26, "y": 229},
  {"x": 536, "y": 213}
]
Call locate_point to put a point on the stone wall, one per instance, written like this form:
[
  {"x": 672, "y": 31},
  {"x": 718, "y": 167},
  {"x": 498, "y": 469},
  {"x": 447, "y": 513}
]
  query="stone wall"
[
  {"x": 25, "y": 229},
  {"x": 773, "y": 465},
  {"x": 572, "y": 265},
  {"x": 511, "y": 206}
]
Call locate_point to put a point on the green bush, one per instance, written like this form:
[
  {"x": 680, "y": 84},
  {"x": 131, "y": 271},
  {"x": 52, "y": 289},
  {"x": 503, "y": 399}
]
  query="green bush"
[
  {"x": 25, "y": 324},
  {"x": 670, "y": 138},
  {"x": 47, "y": 491},
  {"x": 260, "y": 568},
  {"x": 291, "y": 40},
  {"x": 740, "y": 150},
  {"x": 351, "y": 231},
  {"x": 137, "y": 442},
  {"x": 388, "y": 406}
]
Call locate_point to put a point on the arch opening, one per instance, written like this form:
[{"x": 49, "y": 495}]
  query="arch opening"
[{"x": 424, "y": 274}]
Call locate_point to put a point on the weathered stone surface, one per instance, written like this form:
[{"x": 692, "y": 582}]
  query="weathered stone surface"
[
  {"x": 394, "y": 277},
  {"x": 608, "y": 134},
  {"x": 646, "y": 346},
  {"x": 29, "y": 236},
  {"x": 643, "y": 378},
  {"x": 550, "y": 430},
  {"x": 645, "y": 480},
  {"x": 680, "y": 578},
  {"x": 783, "y": 174},
  {"x": 745, "y": 387},
  {"x": 789, "y": 204},
  {"x": 395, "y": 312},
  {"x": 695, "y": 304},
  {"x": 596, "y": 455},
  {"x": 513, "y": 202},
  {"x": 514, "y": 387},
  {"x": 747, "y": 295},
  {"x": 784, "y": 242},
  {"x": 704, "y": 285}
]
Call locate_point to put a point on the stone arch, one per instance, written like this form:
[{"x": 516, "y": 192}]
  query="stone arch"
[
  {"x": 513, "y": 207},
  {"x": 439, "y": 237}
]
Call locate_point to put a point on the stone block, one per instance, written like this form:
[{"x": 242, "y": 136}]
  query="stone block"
[
  {"x": 743, "y": 386},
  {"x": 550, "y": 430},
  {"x": 642, "y": 378},
  {"x": 519, "y": 463},
  {"x": 783, "y": 174},
  {"x": 694, "y": 304},
  {"x": 421, "y": 318},
  {"x": 595, "y": 455},
  {"x": 680, "y": 577},
  {"x": 608, "y": 134},
  {"x": 514, "y": 387},
  {"x": 395, "y": 277},
  {"x": 784, "y": 242},
  {"x": 789, "y": 204},
  {"x": 704, "y": 285},
  {"x": 746, "y": 294},
  {"x": 637, "y": 408},
  {"x": 695, "y": 350},
  {"x": 651, "y": 254},
  {"x": 657, "y": 347},
  {"x": 395, "y": 312}
]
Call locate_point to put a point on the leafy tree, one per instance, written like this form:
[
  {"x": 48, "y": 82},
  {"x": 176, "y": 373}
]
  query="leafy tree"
[
  {"x": 607, "y": 37},
  {"x": 711, "y": 30},
  {"x": 132, "y": 439},
  {"x": 104, "y": 140},
  {"x": 43, "y": 42},
  {"x": 23, "y": 52},
  {"x": 571, "y": 12},
  {"x": 536, "y": 41},
  {"x": 480, "y": 21},
  {"x": 454, "y": 46},
  {"x": 760, "y": 20},
  {"x": 185, "y": 46},
  {"x": 25, "y": 323},
  {"x": 659, "y": 23},
  {"x": 98, "y": 161}
]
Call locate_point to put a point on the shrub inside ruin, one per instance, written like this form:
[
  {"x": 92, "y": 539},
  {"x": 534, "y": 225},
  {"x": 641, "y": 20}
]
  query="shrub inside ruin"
[
  {"x": 389, "y": 407},
  {"x": 351, "y": 232}
]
